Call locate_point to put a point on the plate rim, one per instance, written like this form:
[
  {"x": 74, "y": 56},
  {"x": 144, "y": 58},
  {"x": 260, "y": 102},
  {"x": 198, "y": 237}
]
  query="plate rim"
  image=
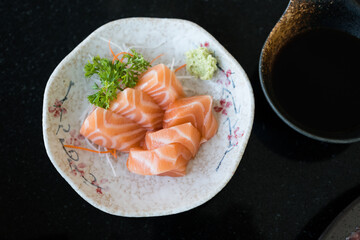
[{"x": 338, "y": 218}]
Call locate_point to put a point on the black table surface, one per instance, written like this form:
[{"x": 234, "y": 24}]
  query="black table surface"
[{"x": 286, "y": 187}]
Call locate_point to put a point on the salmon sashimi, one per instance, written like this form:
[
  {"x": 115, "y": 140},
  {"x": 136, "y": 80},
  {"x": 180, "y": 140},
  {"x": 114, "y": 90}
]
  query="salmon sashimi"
[
  {"x": 160, "y": 83},
  {"x": 197, "y": 110},
  {"x": 139, "y": 107},
  {"x": 168, "y": 160},
  {"x": 185, "y": 134},
  {"x": 112, "y": 130}
]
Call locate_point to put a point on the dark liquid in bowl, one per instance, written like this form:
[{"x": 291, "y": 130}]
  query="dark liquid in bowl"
[{"x": 316, "y": 81}]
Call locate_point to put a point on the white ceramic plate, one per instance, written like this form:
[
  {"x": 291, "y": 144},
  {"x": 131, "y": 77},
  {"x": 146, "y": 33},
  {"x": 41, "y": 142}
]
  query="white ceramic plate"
[{"x": 107, "y": 184}]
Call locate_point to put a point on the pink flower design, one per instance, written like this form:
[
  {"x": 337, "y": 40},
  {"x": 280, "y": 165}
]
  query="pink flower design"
[
  {"x": 75, "y": 138},
  {"x": 80, "y": 137},
  {"x": 206, "y": 44},
  {"x": 104, "y": 180},
  {"x": 222, "y": 102},
  {"x": 236, "y": 130},
  {"x": 74, "y": 172},
  {"x": 75, "y": 169},
  {"x": 227, "y": 81},
  {"x": 228, "y": 73},
  {"x": 235, "y": 136},
  {"x": 218, "y": 109},
  {"x": 57, "y": 108},
  {"x": 223, "y": 106},
  {"x": 98, "y": 188},
  {"x": 81, "y": 165}
]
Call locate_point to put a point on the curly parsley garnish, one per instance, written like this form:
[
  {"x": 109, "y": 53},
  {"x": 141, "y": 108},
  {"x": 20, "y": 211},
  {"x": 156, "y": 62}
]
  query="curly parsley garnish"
[{"x": 114, "y": 76}]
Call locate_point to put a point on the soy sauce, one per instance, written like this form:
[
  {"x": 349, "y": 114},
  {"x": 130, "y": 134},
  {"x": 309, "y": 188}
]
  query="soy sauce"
[{"x": 316, "y": 81}]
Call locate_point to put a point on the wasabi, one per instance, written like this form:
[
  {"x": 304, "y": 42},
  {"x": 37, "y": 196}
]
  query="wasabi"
[{"x": 201, "y": 63}]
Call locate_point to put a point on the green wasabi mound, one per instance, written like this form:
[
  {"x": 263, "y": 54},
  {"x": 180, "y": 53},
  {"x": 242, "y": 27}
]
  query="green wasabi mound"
[{"x": 201, "y": 63}]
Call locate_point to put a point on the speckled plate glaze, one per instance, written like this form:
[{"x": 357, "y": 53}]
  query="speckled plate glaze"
[
  {"x": 344, "y": 224},
  {"x": 106, "y": 183}
]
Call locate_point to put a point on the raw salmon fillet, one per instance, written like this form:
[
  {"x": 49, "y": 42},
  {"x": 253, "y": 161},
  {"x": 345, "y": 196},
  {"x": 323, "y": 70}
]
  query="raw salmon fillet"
[
  {"x": 160, "y": 83},
  {"x": 168, "y": 160},
  {"x": 185, "y": 134},
  {"x": 197, "y": 110},
  {"x": 139, "y": 107},
  {"x": 112, "y": 130}
]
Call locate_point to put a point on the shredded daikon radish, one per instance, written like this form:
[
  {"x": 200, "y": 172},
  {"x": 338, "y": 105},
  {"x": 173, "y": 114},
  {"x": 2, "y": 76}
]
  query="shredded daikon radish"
[
  {"x": 172, "y": 64},
  {"x": 109, "y": 162},
  {"x": 125, "y": 48},
  {"x": 107, "y": 40},
  {"x": 91, "y": 145},
  {"x": 143, "y": 47}
]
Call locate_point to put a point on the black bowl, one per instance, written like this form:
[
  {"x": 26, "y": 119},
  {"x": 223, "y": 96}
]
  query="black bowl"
[{"x": 302, "y": 16}]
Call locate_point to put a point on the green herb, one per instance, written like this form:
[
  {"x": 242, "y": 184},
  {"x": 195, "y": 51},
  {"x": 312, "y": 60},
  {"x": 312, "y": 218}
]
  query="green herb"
[{"x": 114, "y": 76}]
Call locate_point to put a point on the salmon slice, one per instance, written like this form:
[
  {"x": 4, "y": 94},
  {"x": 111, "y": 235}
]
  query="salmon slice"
[
  {"x": 139, "y": 107},
  {"x": 197, "y": 110},
  {"x": 112, "y": 130},
  {"x": 185, "y": 134},
  {"x": 160, "y": 83},
  {"x": 168, "y": 160}
]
